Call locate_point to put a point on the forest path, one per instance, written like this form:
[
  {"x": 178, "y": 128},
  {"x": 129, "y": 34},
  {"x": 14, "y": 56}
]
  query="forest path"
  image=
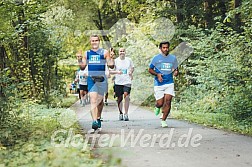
[{"x": 142, "y": 142}]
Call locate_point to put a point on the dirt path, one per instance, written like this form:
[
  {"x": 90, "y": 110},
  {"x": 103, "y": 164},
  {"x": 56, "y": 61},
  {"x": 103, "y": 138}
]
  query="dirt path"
[{"x": 141, "y": 142}]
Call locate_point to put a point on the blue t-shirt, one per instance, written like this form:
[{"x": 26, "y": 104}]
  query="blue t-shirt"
[
  {"x": 164, "y": 65},
  {"x": 96, "y": 62}
]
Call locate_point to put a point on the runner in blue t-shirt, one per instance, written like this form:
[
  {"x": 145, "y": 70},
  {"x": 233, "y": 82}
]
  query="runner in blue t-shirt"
[{"x": 163, "y": 66}]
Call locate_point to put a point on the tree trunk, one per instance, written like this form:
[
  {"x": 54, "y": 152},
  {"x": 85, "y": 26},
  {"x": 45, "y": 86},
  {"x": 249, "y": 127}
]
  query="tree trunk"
[
  {"x": 223, "y": 9},
  {"x": 237, "y": 21},
  {"x": 208, "y": 7},
  {"x": 2, "y": 66},
  {"x": 179, "y": 8}
]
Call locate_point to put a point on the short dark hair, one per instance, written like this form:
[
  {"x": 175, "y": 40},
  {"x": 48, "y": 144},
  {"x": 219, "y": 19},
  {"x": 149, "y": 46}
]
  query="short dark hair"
[
  {"x": 95, "y": 35},
  {"x": 164, "y": 43}
]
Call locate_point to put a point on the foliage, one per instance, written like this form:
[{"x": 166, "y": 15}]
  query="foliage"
[
  {"x": 214, "y": 86},
  {"x": 219, "y": 76},
  {"x": 34, "y": 142}
]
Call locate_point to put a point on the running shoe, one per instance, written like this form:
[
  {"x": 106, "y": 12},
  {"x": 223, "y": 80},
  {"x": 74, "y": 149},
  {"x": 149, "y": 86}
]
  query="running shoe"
[
  {"x": 126, "y": 117},
  {"x": 95, "y": 125},
  {"x": 156, "y": 111},
  {"x": 164, "y": 124},
  {"x": 121, "y": 117},
  {"x": 99, "y": 123}
]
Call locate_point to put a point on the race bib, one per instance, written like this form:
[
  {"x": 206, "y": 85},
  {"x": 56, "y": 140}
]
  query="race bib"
[
  {"x": 166, "y": 66},
  {"x": 124, "y": 71},
  {"x": 95, "y": 59}
]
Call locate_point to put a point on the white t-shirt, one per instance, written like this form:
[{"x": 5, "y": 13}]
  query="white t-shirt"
[
  {"x": 125, "y": 66},
  {"x": 82, "y": 78}
]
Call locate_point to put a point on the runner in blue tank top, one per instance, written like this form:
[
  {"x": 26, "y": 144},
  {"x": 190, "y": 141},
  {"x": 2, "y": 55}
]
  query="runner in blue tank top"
[
  {"x": 96, "y": 59},
  {"x": 163, "y": 66}
]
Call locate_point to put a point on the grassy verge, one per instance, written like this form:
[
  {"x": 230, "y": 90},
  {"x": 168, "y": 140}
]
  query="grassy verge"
[
  {"x": 197, "y": 115},
  {"x": 45, "y": 137},
  {"x": 216, "y": 120}
]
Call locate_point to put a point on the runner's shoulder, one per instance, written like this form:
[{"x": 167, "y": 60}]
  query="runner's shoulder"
[
  {"x": 157, "y": 57},
  {"x": 172, "y": 55}
]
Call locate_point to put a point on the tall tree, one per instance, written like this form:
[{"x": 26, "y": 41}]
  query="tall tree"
[
  {"x": 208, "y": 7},
  {"x": 237, "y": 18}
]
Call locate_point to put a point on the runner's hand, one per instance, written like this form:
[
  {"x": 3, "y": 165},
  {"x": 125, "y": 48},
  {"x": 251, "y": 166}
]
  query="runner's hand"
[
  {"x": 160, "y": 78},
  {"x": 112, "y": 55}
]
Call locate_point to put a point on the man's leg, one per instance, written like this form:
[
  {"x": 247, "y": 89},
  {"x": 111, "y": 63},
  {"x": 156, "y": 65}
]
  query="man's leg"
[
  {"x": 106, "y": 98},
  {"x": 159, "y": 96},
  {"x": 126, "y": 102},
  {"x": 94, "y": 105},
  {"x": 126, "y": 105},
  {"x": 119, "y": 103},
  {"x": 85, "y": 96},
  {"x": 126, "y": 93},
  {"x": 168, "y": 94},
  {"x": 119, "y": 95},
  {"x": 158, "y": 105},
  {"x": 78, "y": 91},
  {"x": 100, "y": 106},
  {"x": 82, "y": 97},
  {"x": 102, "y": 88},
  {"x": 166, "y": 106}
]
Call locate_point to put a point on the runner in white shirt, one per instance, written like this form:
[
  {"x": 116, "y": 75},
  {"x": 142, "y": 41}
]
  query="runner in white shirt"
[
  {"x": 81, "y": 77},
  {"x": 123, "y": 71}
]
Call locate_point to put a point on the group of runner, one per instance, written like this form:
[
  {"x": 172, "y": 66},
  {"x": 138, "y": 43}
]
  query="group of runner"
[{"x": 96, "y": 66}]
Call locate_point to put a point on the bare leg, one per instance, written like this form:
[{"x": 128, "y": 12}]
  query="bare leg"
[
  {"x": 160, "y": 102},
  {"x": 126, "y": 103},
  {"x": 78, "y": 90},
  {"x": 100, "y": 106},
  {"x": 82, "y": 95},
  {"x": 119, "y": 103},
  {"x": 106, "y": 97},
  {"x": 94, "y": 105},
  {"x": 85, "y": 96},
  {"x": 166, "y": 106}
]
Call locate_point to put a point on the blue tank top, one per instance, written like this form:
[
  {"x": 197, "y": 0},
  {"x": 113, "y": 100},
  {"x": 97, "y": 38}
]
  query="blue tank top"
[{"x": 96, "y": 62}]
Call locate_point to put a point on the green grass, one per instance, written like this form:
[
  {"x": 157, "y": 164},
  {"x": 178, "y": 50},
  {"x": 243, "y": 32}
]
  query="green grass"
[
  {"x": 216, "y": 120},
  {"x": 69, "y": 101},
  {"x": 28, "y": 142},
  {"x": 196, "y": 113}
]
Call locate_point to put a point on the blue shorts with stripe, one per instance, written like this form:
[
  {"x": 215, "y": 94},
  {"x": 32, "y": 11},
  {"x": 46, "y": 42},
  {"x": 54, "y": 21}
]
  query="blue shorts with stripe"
[{"x": 99, "y": 87}]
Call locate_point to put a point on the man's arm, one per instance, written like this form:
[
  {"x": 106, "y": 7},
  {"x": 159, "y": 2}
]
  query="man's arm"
[
  {"x": 159, "y": 75},
  {"x": 113, "y": 71},
  {"x": 131, "y": 67},
  {"x": 175, "y": 72},
  {"x": 109, "y": 59},
  {"x": 84, "y": 60},
  {"x": 175, "y": 68},
  {"x": 153, "y": 72},
  {"x": 76, "y": 77}
]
